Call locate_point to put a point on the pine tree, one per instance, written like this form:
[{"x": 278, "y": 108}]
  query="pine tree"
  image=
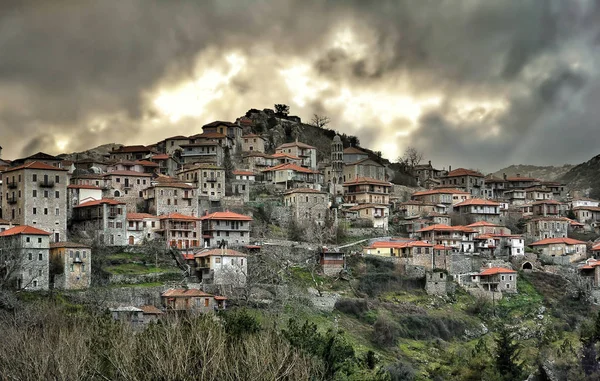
[{"x": 507, "y": 352}]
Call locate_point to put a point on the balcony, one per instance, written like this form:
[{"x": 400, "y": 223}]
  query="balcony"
[
  {"x": 112, "y": 215},
  {"x": 186, "y": 196},
  {"x": 211, "y": 179},
  {"x": 11, "y": 200},
  {"x": 11, "y": 184},
  {"x": 46, "y": 184},
  {"x": 77, "y": 260},
  {"x": 127, "y": 186}
]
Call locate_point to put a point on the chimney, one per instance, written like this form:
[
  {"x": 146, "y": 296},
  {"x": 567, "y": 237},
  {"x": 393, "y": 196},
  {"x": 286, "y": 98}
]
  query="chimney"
[
  {"x": 490, "y": 265},
  {"x": 449, "y": 168},
  {"x": 430, "y": 163},
  {"x": 518, "y": 175},
  {"x": 504, "y": 175}
]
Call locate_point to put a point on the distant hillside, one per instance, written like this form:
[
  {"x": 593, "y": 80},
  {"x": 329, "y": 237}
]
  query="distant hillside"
[
  {"x": 96, "y": 153},
  {"x": 584, "y": 177},
  {"x": 547, "y": 173}
]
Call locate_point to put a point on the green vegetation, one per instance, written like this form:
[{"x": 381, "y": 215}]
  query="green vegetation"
[{"x": 137, "y": 269}]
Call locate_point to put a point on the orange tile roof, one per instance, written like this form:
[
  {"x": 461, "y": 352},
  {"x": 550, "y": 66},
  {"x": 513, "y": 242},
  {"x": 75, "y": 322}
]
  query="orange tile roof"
[
  {"x": 139, "y": 216},
  {"x": 442, "y": 227},
  {"x": 590, "y": 208},
  {"x": 217, "y": 123},
  {"x": 178, "y": 216},
  {"x": 163, "y": 156},
  {"x": 145, "y": 163},
  {"x": 481, "y": 223},
  {"x": 227, "y": 215},
  {"x": 182, "y": 292},
  {"x": 565, "y": 240},
  {"x": 107, "y": 201},
  {"x": 23, "y": 229},
  {"x": 596, "y": 247},
  {"x": 440, "y": 191},
  {"x": 496, "y": 270},
  {"x": 35, "y": 165},
  {"x": 399, "y": 245},
  {"x": 224, "y": 252},
  {"x": 209, "y": 135},
  {"x": 240, "y": 172},
  {"x": 477, "y": 201},
  {"x": 464, "y": 172},
  {"x": 281, "y": 154},
  {"x": 367, "y": 180},
  {"x": 151, "y": 310}
]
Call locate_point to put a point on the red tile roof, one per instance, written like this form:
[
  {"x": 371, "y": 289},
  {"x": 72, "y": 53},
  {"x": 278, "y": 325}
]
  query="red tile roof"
[
  {"x": 442, "y": 227},
  {"x": 145, "y": 163},
  {"x": 227, "y": 215},
  {"x": 481, "y": 223},
  {"x": 107, "y": 201},
  {"x": 464, "y": 172},
  {"x": 23, "y": 229},
  {"x": 366, "y": 206},
  {"x": 354, "y": 150},
  {"x": 477, "y": 201},
  {"x": 182, "y": 292},
  {"x": 151, "y": 310},
  {"x": 240, "y": 172},
  {"x": 178, "y": 216},
  {"x": 304, "y": 190},
  {"x": 367, "y": 180},
  {"x": 127, "y": 173},
  {"x": 35, "y": 165},
  {"x": 281, "y": 154},
  {"x": 596, "y": 247},
  {"x": 139, "y": 216},
  {"x": 162, "y": 156},
  {"x": 496, "y": 270},
  {"x": 217, "y": 252},
  {"x": 209, "y": 135},
  {"x": 565, "y": 240},
  {"x": 399, "y": 245},
  {"x": 590, "y": 208}
]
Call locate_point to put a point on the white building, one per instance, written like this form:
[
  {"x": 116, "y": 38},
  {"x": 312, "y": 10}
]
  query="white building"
[{"x": 222, "y": 267}]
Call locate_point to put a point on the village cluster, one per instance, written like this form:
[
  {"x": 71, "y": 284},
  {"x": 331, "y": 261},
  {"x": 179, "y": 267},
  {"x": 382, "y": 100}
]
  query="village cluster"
[{"x": 182, "y": 191}]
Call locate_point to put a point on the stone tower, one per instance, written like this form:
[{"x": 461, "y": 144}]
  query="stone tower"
[{"x": 337, "y": 163}]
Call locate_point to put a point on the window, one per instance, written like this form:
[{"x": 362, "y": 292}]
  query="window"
[
  {"x": 217, "y": 260},
  {"x": 40, "y": 257},
  {"x": 57, "y": 179},
  {"x": 502, "y": 277},
  {"x": 57, "y": 194},
  {"x": 34, "y": 210},
  {"x": 46, "y": 194},
  {"x": 39, "y": 240},
  {"x": 70, "y": 253},
  {"x": 510, "y": 277},
  {"x": 30, "y": 256},
  {"x": 57, "y": 211},
  {"x": 34, "y": 177},
  {"x": 205, "y": 302},
  {"x": 35, "y": 283},
  {"x": 27, "y": 239},
  {"x": 34, "y": 193},
  {"x": 46, "y": 211},
  {"x": 71, "y": 268}
]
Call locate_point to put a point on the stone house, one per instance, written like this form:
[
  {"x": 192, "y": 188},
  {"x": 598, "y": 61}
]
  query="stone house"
[
  {"x": 547, "y": 227},
  {"x": 583, "y": 201},
  {"x": 439, "y": 218},
  {"x": 484, "y": 227},
  {"x": 205, "y": 151},
  {"x": 416, "y": 208},
  {"x": 538, "y": 193},
  {"x": 140, "y": 227},
  {"x": 71, "y": 265},
  {"x": 496, "y": 279},
  {"x": 130, "y": 153},
  {"x": 424, "y": 172},
  {"x": 479, "y": 210},
  {"x": 307, "y": 153},
  {"x": 331, "y": 262},
  {"x": 231, "y": 130},
  {"x": 471, "y": 181},
  {"x": 520, "y": 182},
  {"x": 365, "y": 190},
  {"x": 180, "y": 231},
  {"x": 307, "y": 205},
  {"x": 221, "y": 267},
  {"x": 376, "y": 213},
  {"x": 288, "y": 176},
  {"x": 414, "y": 253},
  {"x": 41, "y": 157},
  {"x": 168, "y": 195},
  {"x": 180, "y": 299},
  {"x": 494, "y": 187},
  {"x": 253, "y": 143},
  {"x": 438, "y": 282},
  {"x": 587, "y": 214},
  {"x": 443, "y": 196},
  {"x": 77, "y": 194},
  {"x": 30, "y": 267},
  {"x": 364, "y": 168},
  {"x": 546, "y": 208},
  {"x": 559, "y": 247},
  {"x": 596, "y": 250},
  {"x": 167, "y": 164},
  {"x": 412, "y": 225},
  {"x": 515, "y": 196},
  {"x": 233, "y": 228},
  {"x": 459, "y": 238},
  {"x": 208, "y": 179},
  {"x": 127, "y": 187},
  {"x": 36, "y": 195},
  {"x": 241, "y": 174},
  {"x": 170, "y": 145},
  {"x": 104, "y": 220}
]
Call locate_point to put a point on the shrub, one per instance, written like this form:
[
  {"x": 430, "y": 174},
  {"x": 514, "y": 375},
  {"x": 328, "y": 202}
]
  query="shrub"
[
  {"x": 238, "y": 323},
  {"x": 400, "y": 371},
  {"x": 356, "y": 307},
  {"x": 385, "y": 332}
]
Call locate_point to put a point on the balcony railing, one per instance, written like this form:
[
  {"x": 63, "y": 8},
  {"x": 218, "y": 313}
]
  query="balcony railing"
[
  {"x": 46, "y": 184},
  {"x": 11, "y": 184},
  {"x": 112, "y": 215},
  {"x": 11, "y": 200}
]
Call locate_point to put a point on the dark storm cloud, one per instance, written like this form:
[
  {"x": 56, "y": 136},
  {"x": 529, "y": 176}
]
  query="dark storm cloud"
[{"x": 67, "y": 64}]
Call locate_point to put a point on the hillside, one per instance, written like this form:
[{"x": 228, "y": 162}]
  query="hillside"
[
  {"x": 547, "y": 173},
  {"x": 584, "y": 177},
  {"x": 96, "y": 153}
]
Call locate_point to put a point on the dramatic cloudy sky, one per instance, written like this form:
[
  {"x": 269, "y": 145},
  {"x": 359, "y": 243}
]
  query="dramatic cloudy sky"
[{"x": 480, "y": 84}]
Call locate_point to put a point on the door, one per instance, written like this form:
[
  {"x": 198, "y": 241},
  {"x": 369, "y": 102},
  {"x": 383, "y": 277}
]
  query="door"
[
  {"x": 131, "y": 239},
  {"x": 56, "y": 237}
]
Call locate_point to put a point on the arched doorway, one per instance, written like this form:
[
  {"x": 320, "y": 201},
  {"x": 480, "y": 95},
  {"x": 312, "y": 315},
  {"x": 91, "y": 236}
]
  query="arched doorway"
[{"x": 527, "y": 266}]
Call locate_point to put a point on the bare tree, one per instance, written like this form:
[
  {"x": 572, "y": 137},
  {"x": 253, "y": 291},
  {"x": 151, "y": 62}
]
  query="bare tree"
[
  {"x": 411, "y": 158},
  {"x": 16, "y": 269},
  {"x": 320, "y": 120}
]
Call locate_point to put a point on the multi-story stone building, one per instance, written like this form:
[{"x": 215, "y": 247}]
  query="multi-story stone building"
[
  {"x": 287, "y": 176},
  {"x": 233, "y": 228},
  {"x": 127, "y": 187},
  {"x": 307, "y": 205},
  {"x": 307, "y": 153},
  {"x": 496, "y": 279},
  {"x": 168, "y": 165},
  {"x": 479, "y": 210},
  {"x": 77, "y": 194},
  {"x": 253, "y": 143},
  {"x": 467, "y": 179},
  {"x": 365, "y": 190},
  {"x": 171, "y": 196},
  {"x": 130, "y": 153},
  {"x": 103, "y": 220},
  {"x": 538, "y": 229},
  {"x": 459, "y": 238},
  {"x": 29, "y": 268},
  {"x": 444, "y": 196},
  {"x": 180, "y": 231},
  {"x": 204, "y": 151},
  {"x": 35, "y": 194},
  {"x": 172, "y": 144},
  {"x": 574, "y": 249},
  {"x": 70, "y": 265},
  {"x": 208, "y": 179},
  {"x": 141, "y": 226},
  {"x": 376, "y": 213},
  {"x": 364, "y": 168},
  {"x": 221, "y": 267},
  {"x": 231, "y": 130}
]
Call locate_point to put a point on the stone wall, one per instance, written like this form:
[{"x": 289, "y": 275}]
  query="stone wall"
[
  {"x": 142, "y": 278},
  {"x": 439, "y": 283},
  {"x": 463, "y": 263},
  {"x": 107, "y": 297}
]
